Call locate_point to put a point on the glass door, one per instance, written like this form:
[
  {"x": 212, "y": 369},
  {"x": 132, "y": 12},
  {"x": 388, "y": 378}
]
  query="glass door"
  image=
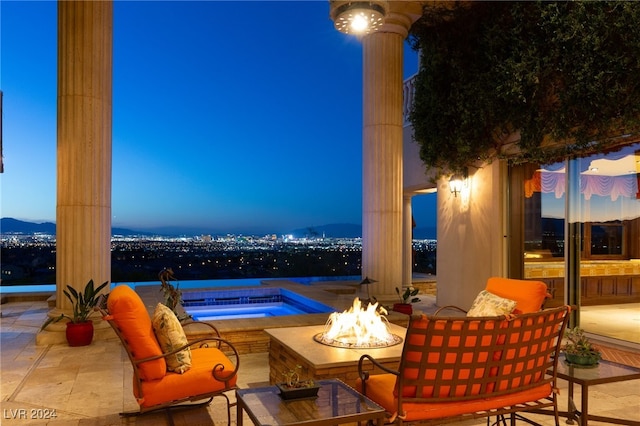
[{"x": 581, "y": 235}]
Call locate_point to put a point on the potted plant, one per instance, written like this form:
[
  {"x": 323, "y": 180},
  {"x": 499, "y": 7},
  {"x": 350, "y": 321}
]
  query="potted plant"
[
  {"x": 294, "y": 388},
  {"x": 79, "y": 330},
  {"x": 406, "y": 299},
  {"x": 578, "y": 350},
  {"x": 172, "y": 295}
]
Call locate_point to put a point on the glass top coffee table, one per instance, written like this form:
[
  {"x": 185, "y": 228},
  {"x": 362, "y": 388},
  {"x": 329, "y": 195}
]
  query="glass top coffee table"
[
  {"x": 604, "y": 372},
  {"x": 336, "y": 403}
]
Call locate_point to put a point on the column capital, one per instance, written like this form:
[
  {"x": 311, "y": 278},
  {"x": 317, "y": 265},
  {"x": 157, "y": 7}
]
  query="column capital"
[{"x": 400, "y": 16}]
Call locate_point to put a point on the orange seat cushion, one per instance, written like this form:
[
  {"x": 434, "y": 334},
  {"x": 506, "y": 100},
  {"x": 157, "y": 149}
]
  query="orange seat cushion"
[
  {"x": 132, "y": 318},
  {"x": 380, "y": 390},
  {"x": 198, "y": 380},
  {"x": 529, "y": 295}
]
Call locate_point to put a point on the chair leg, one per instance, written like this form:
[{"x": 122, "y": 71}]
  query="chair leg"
[
  {"x": 516, "y": 416},
  {"x": 229, "y": 405},
  {"x": 500, "y": 420},
  {"x": 167, "y": 412},
  {"x": 228, "y": 408},
  {"x": 556, "y": 413},
  {"x": 169, "y": 408}
]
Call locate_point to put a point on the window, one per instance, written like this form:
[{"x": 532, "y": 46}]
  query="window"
[{"x": 605, "y": 241}]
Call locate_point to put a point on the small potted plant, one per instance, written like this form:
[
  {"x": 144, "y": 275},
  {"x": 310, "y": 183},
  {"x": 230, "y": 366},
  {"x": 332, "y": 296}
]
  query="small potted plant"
[
  {"x": 79, "y": 330},
  {"x": 406, "y": 299},
  {"x": 578, "y": 350},
  {"x": 294, "y": 388}
]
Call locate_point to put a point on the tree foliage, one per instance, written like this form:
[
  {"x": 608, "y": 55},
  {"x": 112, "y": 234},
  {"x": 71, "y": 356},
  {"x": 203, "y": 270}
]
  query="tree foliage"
[{"x": 552, "y": 71}]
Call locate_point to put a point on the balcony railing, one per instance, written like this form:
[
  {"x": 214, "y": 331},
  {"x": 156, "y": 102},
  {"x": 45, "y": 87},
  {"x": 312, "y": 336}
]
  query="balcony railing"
[{"x": 407, "y": 99}]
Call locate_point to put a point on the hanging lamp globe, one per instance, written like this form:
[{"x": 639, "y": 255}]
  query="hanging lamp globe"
[{"x": 358, "y": 17}]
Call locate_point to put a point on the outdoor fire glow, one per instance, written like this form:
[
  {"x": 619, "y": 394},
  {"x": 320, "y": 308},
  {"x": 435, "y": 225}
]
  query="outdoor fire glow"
[{"x": 358, "y": 328}]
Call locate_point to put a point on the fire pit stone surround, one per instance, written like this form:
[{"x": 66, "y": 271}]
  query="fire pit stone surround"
[{"x": 292, "y": 346}]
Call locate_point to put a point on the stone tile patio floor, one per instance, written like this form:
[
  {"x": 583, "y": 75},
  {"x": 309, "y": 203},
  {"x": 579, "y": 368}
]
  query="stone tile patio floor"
[{"x": 91, "y": 385}]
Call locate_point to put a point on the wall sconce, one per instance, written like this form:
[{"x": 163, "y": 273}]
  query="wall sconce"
[
  {"x": 457, "y": 182},
  {"x": 359, "y": 17}
]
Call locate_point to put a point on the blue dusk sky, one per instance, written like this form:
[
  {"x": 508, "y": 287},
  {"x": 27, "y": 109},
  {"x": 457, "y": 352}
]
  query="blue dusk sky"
[{"x": 233, "y": 116}]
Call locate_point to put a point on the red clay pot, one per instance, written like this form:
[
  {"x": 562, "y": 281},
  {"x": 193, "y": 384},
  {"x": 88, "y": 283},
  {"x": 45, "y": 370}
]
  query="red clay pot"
[
  {"x": 404, "y": 308},
  {"x": 79, "y": 334}
]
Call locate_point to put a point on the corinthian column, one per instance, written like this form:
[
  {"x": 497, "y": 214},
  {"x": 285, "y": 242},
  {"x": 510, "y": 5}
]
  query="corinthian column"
[
  {"x": 382, "y": 232},
  {"x": 83, "y": 213}
]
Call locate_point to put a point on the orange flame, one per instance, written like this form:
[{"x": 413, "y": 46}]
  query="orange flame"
[{"x": 359, "y": 327}]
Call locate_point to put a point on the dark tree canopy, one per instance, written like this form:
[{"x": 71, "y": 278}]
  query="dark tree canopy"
[{"x": 554, "y": 71}]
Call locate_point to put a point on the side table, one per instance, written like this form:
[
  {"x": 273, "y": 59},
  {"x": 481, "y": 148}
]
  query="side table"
[
  {"x": 605, "y": 372},
  {"x": 336, "y": 403}
]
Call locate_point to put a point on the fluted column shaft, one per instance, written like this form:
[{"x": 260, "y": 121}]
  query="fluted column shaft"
[
  {"x": 83, "y": 213},
  {"x": 382, "y": 159},
  {"x": 407, "y": 246}
]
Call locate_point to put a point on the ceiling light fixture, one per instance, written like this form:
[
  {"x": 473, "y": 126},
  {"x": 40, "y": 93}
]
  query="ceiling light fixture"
[{"x": 359, "y": 17}]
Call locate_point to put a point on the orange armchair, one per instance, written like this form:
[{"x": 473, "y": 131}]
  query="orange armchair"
[
  {"x": 458, "y": 368},
  {"x": 213, "y": 366}
]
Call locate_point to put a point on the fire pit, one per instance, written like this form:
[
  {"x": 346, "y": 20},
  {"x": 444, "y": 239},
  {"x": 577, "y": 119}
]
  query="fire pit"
[{"x": 358, "y": 328}]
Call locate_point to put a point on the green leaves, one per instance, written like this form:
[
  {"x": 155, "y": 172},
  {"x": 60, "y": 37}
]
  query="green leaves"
[
  {"x": 579, "y": 344},
  {"x": 83, "y": 302},
  {"x": 560, "y": 70},
  {"x": 408, "y": 295}
]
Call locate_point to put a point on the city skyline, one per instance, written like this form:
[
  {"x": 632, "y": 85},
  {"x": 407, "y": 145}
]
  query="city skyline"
[
  {"x": 234, "y": 116},
  {"x": 11, "y": 227}
]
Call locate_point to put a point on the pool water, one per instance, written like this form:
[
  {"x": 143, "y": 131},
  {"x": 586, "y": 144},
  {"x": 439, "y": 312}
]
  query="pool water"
[
  {"x": 204, "y": 301},
  {"x": 263, "y": 311},
  {"x": 249, "y": 303}
]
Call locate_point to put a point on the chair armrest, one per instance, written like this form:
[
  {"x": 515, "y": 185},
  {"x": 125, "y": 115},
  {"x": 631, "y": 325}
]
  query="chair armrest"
[
  {"x": 191, "y": 324},
  {"x": 101, "y": 304},
  {"x": 231, "y": 354},
  {"x": 364, "y": 375},
  {"x": 449, "y": 307},
  {"x": 203, "y": 342}
]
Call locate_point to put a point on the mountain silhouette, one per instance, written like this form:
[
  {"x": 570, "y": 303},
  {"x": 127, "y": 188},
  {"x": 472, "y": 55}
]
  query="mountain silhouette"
[{"x": 14, "y": 226}]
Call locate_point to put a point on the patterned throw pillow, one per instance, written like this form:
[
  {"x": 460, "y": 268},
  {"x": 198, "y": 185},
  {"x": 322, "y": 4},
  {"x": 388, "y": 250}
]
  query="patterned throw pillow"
[
  {"x": 489, "y": 305},
  {"x": 170, "y": 335}
]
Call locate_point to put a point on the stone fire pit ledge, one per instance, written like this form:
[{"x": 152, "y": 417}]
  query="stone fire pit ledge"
[{"x": 291, "y": 346}]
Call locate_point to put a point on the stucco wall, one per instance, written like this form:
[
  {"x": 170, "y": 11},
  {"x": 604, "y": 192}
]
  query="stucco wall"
[
  {"x": 471, "y": 226},
  {"x": 471, "y": 235},
  {"x": 414, "y": 176}
]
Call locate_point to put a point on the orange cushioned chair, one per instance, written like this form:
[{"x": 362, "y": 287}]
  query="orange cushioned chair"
[
  {"x": 455, "y": 368},
  {"x": 211, "y": 373},
  {"x": 529, "y": 296}
]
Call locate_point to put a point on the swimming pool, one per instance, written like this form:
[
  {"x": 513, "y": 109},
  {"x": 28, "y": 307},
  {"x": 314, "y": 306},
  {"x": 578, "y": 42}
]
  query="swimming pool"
[{"x": 249, "y": 303}]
